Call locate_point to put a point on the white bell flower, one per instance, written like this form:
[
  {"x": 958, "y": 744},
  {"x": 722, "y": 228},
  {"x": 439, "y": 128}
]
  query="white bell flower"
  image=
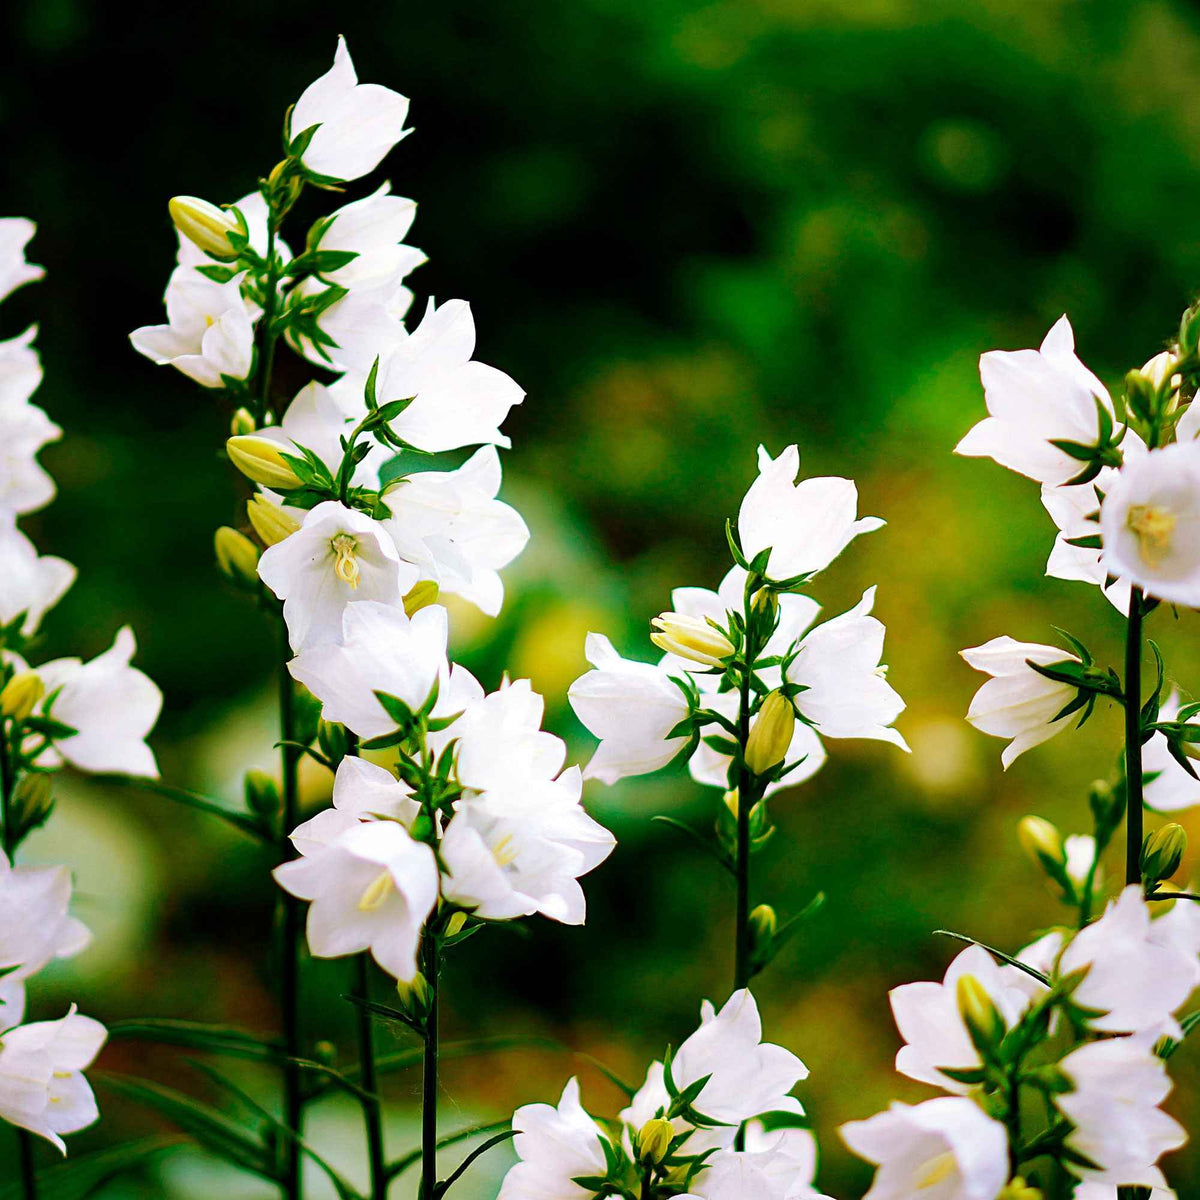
[
  {"x": 29, "y": 583},
  {"x": 554, "y": 1146},
  {"x": 763, "y": 1174},
  {"x": 1090, "y": 1190},
  {"x": 946, "y": 1149},
  {"x": 15, "y": 233},
  {"x": 371, "y": 888},
  {"x": 364, "y": 324},
  {"x": 1172, "y": 788},
  {"x": 1035, "y": 397},
  {"x": 1150, "y": 523},
  {"x": 42, "y": 1087},
  {"x": 1176, "y": 925},
  {"x": 1018, "y": 703},
  {"x": 631, "y": 707},
  {"x": 806, "y": 524},
  {"x": 381, "y": 649},
  {"x": 25, "y": 485},
  {"x": 357, "y": 123},
  {"x": 929, "y": 1021},
  {"x": 1137, "y": 976},
  {"x": 373, "y": 229},
  {"x": 111, "y": 706},
  {"x": 1080, "y": 851},
  {"x": 1118, "y": 1085},
  {"x": 450, "y": 524},
  {"x": 209, "y": 332},
  {"x": 20, "y": 368}
]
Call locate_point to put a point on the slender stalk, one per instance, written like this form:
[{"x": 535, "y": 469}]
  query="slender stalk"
[
  {"x": 1133, "y": 739},
  {"x": 431, "y": 965},
  {"x": 372, "y": 1108},
  {"x": 270, "y": 301},
  {"x": 741, "y": 969}
]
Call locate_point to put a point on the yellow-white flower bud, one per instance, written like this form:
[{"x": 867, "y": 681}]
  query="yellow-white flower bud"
[
  {"x": 979, "y": 1013},
  {"x": 654, "y": 1141},
  {"x": 242, "y": 422},
  {"x": 205, "y": 225},
  {"x": 21, "y": 695},
  {"x": 1161, "y": 368},
  {"x": 32, "y": 800},
  {"x": 237, "y": 556},
  {"x": 420, "y": 596},
  {"x": 261, "y": 460},
  {"x": 269, "y": 521},
  {"x": 1163, "y": 851},
  {"x": 771, "y": 733},
  {"x": 1018, "y": 1189},
  {"x": 1041, "y": 840},
  {"x": 455, "y": 925},
  {"x": 414, "y": 993},
  {"x": 690, "y": 637}
]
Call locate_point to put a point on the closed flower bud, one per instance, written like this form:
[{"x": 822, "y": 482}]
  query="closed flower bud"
[
  {"x": 1018, "y": 1189},
  {"x": 205, "y": 225},
  {"x": 454, "y": 926},
  {"x": 262, "y": 796},
  {"x": 763, "y": 924},
  {"x": 261, "y": 460},
  {"x": 32, "y": 802},
  {"x": 980, "y": 1015},
  {"x": 766, "y": 600},
  {"x": 690, "y": 637},
  {"x": 237, "y": 556},
  {"x": 654, "y": 1141},
  {"x": 1041, "y": 840},
  {"x": 421, "y": 828},
  {"x": 21, "y": 695},
  {"x": 1108, "y": 807},
  {"x": 269, "y": 521},
  {"x": 730, "y": 800},
  {"x": 331, "y": 737},
  {"x": 420, "y": 596},
  {"x": 1163, "y": 851},
  {"x": 414, "y": 994},
  {"x": 325, "y": 1052},
  {"x": 771, "y": 734},
  {"x": 242, "y": 423}
]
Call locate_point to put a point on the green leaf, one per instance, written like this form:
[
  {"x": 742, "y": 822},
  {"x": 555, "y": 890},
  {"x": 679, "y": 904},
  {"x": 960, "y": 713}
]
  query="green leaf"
[
  {"x": 1008, "y": 958},
  {"x": 218, "y": 1039},
  {"x": 709, "y": 848},
  {"x": 242, "y": 822},
  {"x": 447, "y": 1139},
  {"x": 81, "y": 1175}
]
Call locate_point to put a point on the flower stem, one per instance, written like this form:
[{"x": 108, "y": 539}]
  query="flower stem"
[
  {"x": 431, "y": 965},
  {"x": 1133, "y": 739},
  {"x": 372, "y": 1108},
  {"x": 268, "y": 319}
]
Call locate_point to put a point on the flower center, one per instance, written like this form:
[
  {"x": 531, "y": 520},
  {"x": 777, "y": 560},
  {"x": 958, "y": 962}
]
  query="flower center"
[
  {"x": 937, "y": 1170},
  {"x": 1153, "y": 526},
  {"x": 505, "y": 850},
  {"x": 346, "y": 567},
  {"x": 377, "y": 892}
]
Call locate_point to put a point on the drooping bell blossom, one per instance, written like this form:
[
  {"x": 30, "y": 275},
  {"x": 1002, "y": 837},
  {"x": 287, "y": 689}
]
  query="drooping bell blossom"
[
  {"x": 381, "y": 650},
  {"x": 42, "y": 1087},
  {"x": 371, "y": 888},
  {"x": 1176, "y": 925},
  {"x": 29, "y": 583},
  {"x": 554, "y": 1146},
  {"x": 631, "y": 707},
  {"x": 1137, "y": 977},
  {"x": 20, "y": 368},
  {"x": 364, "y": 324},
  {"x": 209, "y": 332},
  {"x": 946, "y": 1148},
  {"x": 1118, "y": 1085},
  {"x": 764, "y": 1174},
  {"x": 846, "y": 689},
  {"x": 929, "y": 1021},
  {"x": 15, "y": 233},
  {"x": 1089, "y": 1190},
  {"x": 1018, "y": 703},
  {"x": 1035, "y": 397},
  {"x": 111, "y": 706},
  {"x": 806, "y": 524},
  {"x": 1150, "y": 523},
  {"x": 25, "y": 486},
  {"x": 458, "y": 401},
  {"x": 337, "y": 557},
  {"x": 450, "y": 524},
  {"x": 373, "y": 229},
  {"x": 1171, "y": 789},
  {"x": 357, "y": 123}
]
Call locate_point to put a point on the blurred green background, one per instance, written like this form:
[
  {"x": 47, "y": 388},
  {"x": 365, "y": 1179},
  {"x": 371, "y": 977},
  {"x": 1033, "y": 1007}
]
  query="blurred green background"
[{"x": 685, "y": 228}]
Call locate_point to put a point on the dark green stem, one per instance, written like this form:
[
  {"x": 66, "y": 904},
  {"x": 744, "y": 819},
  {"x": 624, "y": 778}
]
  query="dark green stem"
[
  {"x": 1133, "y": 739},
  {"x": 741, "y": 969},
  {"x": 372, "y": 1108},
  {"x": 431, "y": 965},
  {"x": 269, "y": 336}
]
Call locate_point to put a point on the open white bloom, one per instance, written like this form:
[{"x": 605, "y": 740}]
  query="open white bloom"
[
  {"x": 555, "y": 1146},
  {"x": 1150, "y": 523},
  {"x": 1033, "y": 397},
  {"x": 1081, "y": 854},
  {"x": 357, "y": 123},
  {"x": 631, "y": 707},
  {"x": 339, "y": 555},
  {"x": 373, "y": 229},
  {"x": 381, "y": 649},
  {"x": 450, "y": 524},
  {"x": 15, "y": 233},
  {"x": 1091, "y": 1190},
  {"x": 805, "y": 524},
  {"x": 364, "y": 324},
  {"x": 943, "y": 1149},
  {"x": 371, "y": 888},
  {"x": 111, "y": 706},
  {"x": 1017, "y": 702},
  {"x": 779, "y": 1167},
  {"x": 1119, "y": 1084},
  {"x": 42, "y": 1087},
  {"x": 1172, "y": 788},
  {"x": 29, "y": 583},
  {"x": 209, "y": 332},
  {"x": 1138, "y": 976},
  {"x": 1176, "y": 925},
  {"x": 929, "y": 1021},
  {"x": 20, "y": 368},
  {"x": 25, "y": 486}
]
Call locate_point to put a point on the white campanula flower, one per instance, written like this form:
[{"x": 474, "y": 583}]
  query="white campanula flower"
[
  {"x": 25, "y": 486},
  {"x": 110, "y": 705},
  {"x": 357, "y": 123},
  {"x": 42, "y": 1087},
  {"x": 450, "y": 524},
  {"x": 806, "y": 524},
  {"x": 1177, "y": 925},
  {"x": 20, "y": 368},
  {"x": 1018, "y": 703},
  {"x": 209, "y": 332},
  {"x": 355, "y": 329},
  {"x": 1171, "y": 789},
  {"x": 929, "y": 1021},
  {"x": 1035, "y": 397},
  {"x": 338, "y": 556},
  {"x": 776, "y": 1166},
  {"x": 631, "y": 707},
  {"x": 381, "y": 649},
  {"x": 555, "y": 1145},
  {"x": 15, "y": 233},
  {"x": 30, "y": 584},
  {"x": 1137, "y": 977},
  {"x": 1080, "y": 851},
  {"x": 1118, "y": 1085},
  {"x": 946, "y": 1148},
  {"x": 371, "y": 888},
  {"x": 1090, "y": 1190},
  {"x": 1150, "y": 523},
  {"x": 373, "y": 229}
]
